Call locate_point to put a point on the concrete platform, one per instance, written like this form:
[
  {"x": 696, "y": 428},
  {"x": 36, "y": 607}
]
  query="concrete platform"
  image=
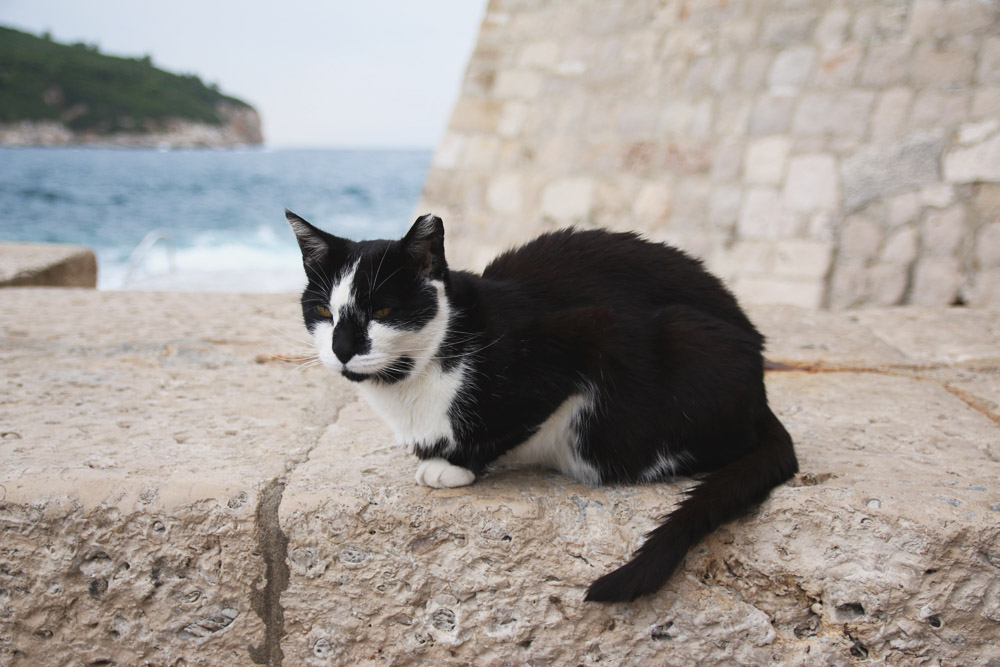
[
  {"x": 172, "y": 491},
  {"x": 47, "y": 265}
]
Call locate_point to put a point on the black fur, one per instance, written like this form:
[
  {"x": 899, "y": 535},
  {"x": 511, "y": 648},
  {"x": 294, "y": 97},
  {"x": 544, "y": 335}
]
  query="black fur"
[{"x": 674, "y": 365}]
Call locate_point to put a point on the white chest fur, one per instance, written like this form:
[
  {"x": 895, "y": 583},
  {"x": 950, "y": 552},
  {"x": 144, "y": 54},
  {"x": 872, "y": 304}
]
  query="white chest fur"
[
  {"x": 554, "y": 444},
  {"x": 417, "y": 408}
]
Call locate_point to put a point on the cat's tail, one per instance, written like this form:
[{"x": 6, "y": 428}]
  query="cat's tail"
[{"x": 722, "y": 495}]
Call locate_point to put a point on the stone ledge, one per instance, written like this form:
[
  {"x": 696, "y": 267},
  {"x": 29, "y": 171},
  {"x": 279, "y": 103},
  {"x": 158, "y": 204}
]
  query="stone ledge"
[
  {"x": 47, "y": 265},
  {"x": 172, "y": 491}
]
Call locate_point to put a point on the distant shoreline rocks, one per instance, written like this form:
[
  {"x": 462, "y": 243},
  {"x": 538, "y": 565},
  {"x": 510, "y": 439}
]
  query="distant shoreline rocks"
[{"x": 241, "y": 126}]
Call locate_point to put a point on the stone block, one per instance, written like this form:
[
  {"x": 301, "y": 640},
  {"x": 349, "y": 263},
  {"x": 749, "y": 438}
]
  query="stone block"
[
  {"x": 985, "y": 102},
  {"x": 980, "y": 162},
  {"x": 724, "y": 206},
  {"x": 904, "y": 209},
  {"x": 518, "y": 84},
  {"x": 936, "y": 281},
  {"x": 47, "y": 265},
  {"x": 568, "y": 200},
  {"x": 885, "y": 284},
  {"x": 687, "y": 156},
  {"x": 838, "y": 66},
  {"x": 988, "y": 72},
  {"x": 811, "y": 183},
  {"x": 988, "y": 246},
  {"x": 750, "y": 258},
  {"x": 765, "y": 160},
  {"x": 542, "y": 55},
  {"x": 943, "y": 64},
  {"x": 762, "y": 215},
  {"x": 831, "y": 29},
  {"x": 480, "y": 152},
  {"x": 732, "y": 115},
  {"x": 848, "y": 284},
  {"x": 701, "y": 118},
  {"x": 985, "y": 292},
  {"x": 505, "y": 193},
  {"x": 790, "y": 69},
  {"x": 860, "y": 238},
  {"x": 737, "y": 35},
  {"x": 653, "y": 204},
  {"x": 937, "y": 195},
  {"x": 943, "y": 231},
  {"x": 900, "y": 247},
  {"x": 771, "y": 114},
  {"x": 887, "y": 64},
  {"x": 934, "y": 109},
  {"x": 790, "y": 292},
  {"x": 638, "y": 118},
  {"x": 676, "y": 117},
  {"x": 781, "y": 29},
  {"x": 512, "y": 116},
  {"x": 797, "y": 258},
  {"x": 754, "y": 70},
  {"x": 727, "y": 160},
  {"x": 475, "y": 115},
  {"x": 844, "y": 113},
  {"x": 887, "y": 169},
  {"x": 724, "y": 72},
  {"x": 932, "y": 19},
  {"x": 449, "y": 151},
  {"x": 891, "y": 112},
  {"x": 974, "y": 133}
]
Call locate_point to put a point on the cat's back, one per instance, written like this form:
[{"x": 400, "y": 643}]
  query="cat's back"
[{"x": 572, "y": 267}]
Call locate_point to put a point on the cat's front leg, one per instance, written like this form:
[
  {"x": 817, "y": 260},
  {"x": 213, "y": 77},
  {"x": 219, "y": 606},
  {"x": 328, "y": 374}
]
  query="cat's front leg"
[{"x": 441, "y": 474}]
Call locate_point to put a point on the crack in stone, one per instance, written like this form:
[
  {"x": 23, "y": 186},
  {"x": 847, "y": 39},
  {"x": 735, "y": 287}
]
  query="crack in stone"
[
  {"x": 273, "y": 545},
  {"x": 266, "y": 601},
  {"x": 909, "y": 371}
]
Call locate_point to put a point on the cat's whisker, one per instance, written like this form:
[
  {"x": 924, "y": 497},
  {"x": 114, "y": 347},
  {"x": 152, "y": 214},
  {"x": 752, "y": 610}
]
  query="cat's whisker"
[{"x": 386, "y": 279}]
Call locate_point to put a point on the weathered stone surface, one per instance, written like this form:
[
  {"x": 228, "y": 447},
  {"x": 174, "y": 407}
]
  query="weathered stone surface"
[
  {"x": 811, "y": 184},
  {"x": 765, "y": 160},
  {"x": 980, "y": 162},
  {"x": 879, "y": 171},
  {"x": 141, "y": 435},
  {"x": 47, "y": 265},
  {"x": 172, "y": 492}
]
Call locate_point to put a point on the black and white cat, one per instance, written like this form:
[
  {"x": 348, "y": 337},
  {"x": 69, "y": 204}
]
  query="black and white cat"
[{"x": 598, "y": 354}]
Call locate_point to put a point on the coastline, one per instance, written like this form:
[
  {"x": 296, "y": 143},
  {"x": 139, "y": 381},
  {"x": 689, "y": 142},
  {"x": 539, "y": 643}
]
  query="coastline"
[{"x": 241, "y": 129}]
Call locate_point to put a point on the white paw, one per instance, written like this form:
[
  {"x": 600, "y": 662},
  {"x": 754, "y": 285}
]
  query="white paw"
[{"x": 442, "y": 475}]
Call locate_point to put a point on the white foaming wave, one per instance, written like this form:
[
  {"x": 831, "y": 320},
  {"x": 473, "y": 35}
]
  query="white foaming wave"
[{"x": 261, "y": 263}]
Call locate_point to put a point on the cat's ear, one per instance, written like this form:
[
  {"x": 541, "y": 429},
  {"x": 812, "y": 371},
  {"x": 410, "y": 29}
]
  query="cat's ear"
[
  {"x": 425, "y": 244},
  {"x": 317, "y": 246}
]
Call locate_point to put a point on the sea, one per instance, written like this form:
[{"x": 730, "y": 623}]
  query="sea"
[{"x": 202, "y": 219}]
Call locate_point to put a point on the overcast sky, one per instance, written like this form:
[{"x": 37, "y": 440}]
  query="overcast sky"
[{"x": 371, "y": 73}]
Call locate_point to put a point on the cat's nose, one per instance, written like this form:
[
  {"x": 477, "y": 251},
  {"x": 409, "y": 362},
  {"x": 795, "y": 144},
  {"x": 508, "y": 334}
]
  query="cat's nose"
[
  {"x": 345, "y": 341},
  {"x": 343, "y": 350}
]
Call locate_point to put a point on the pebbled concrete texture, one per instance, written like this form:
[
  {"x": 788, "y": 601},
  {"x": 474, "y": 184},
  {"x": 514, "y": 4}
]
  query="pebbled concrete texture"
[{"x": 173, "y": 491}]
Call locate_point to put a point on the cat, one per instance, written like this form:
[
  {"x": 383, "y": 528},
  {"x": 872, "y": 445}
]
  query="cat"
[{"x": 607, "y": 357}]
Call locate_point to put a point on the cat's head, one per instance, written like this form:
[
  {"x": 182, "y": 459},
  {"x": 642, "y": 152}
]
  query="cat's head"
[{"x": 377, "y": 310}]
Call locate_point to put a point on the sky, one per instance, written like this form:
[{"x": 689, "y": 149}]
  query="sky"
[{"x": 325, "y": 73}]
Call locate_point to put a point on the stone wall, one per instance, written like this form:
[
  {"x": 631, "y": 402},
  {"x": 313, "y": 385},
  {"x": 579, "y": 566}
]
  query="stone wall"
[{"x": 824, "y": 154}]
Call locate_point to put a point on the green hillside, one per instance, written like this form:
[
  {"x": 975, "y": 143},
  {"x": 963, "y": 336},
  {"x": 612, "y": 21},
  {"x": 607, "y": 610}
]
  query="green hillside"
[{"x": 86, "y": 90}]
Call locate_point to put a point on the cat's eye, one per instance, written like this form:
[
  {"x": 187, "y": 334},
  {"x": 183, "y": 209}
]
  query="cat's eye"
[
  {"x": 323, "y": 311},
  {"x": 381, "y": 313}
]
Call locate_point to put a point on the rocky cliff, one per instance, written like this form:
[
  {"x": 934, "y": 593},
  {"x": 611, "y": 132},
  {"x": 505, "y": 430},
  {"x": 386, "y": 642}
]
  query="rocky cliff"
[
  {"x": 55, "y": 94},
  {"x": 241, "y": 127}
]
